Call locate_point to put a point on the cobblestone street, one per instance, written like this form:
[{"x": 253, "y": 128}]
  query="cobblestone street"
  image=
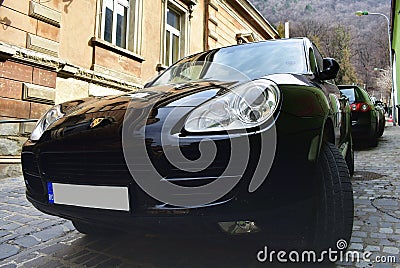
[
  {"x": 29, "y": 238},
  {"x": 376, "y": 185}
]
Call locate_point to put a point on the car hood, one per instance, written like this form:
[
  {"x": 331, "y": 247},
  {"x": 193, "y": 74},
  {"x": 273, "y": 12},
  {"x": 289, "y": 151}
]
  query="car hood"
[
  {"x": 96, "y": 114},
  {"x": 190, "y": 94},
  {"x": 180, "y": 95},
  {"x": 84, "y": 115}
]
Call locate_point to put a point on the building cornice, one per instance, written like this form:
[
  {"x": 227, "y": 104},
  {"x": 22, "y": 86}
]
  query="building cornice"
[
  {"x": 256, "y": 19},
  {"x": 95, "y": 41},
  {"x": 63, "y": 68}
]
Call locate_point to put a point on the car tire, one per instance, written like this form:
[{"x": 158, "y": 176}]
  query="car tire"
[
  {"x": 373, "y": 142},
  {"x": 349, "y": 158},
  {"x": 381, "y": 129},
  {"x": 90, "y": 229},
  {"x": 335, "y": 206}
]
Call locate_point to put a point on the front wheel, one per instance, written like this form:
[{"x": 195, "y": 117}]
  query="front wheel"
[
  {"x": 335, "y": 207},
  {"x": 381, "y": 129},
  {"x": 373, "y": 141}
]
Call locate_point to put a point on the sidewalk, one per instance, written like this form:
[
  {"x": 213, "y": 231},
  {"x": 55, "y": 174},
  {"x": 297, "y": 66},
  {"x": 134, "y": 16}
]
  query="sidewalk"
[{"x": 376, "y": 185}]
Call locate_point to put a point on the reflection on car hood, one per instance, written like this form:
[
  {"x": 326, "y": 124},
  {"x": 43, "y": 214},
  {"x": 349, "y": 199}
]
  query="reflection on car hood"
[
  {"x": 180, "y": 95},
  {"x": 190, "y": 94},
  {"x": 289, "y": 79},
  {"x": 108, "y": 113}
]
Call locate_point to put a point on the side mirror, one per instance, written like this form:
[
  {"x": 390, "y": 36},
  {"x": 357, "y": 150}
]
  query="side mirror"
[{"x": 331, "y": 69}]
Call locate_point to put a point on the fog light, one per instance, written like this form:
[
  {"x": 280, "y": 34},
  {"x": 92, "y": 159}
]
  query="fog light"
[{"x": 239, "y": 227}]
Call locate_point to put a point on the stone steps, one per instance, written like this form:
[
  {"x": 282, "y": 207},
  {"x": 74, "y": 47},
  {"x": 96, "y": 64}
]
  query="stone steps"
[
  {"x": 10, "y": 155},
  {"x": 8, "y": 169},
  {"x": 16, "y": 159}
]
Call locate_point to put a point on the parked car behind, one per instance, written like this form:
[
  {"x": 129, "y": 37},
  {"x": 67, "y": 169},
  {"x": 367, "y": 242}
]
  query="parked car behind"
[
  {"x": 383, "y": 109},
  {"x": 93, "y": 160},
  {"x": 367, "y": 119}
]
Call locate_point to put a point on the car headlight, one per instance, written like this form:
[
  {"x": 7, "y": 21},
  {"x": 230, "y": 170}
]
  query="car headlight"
[
  {"x": 245, "y": 106},
  {"x": 47, "y": 120}
]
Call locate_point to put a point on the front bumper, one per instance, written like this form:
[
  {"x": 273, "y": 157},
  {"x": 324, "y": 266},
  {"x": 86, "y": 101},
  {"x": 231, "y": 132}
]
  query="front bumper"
[
  {"x": 286, "y": 196},
  {"x": 289, "y": 217},
  {"x": 363, "y": 125}
]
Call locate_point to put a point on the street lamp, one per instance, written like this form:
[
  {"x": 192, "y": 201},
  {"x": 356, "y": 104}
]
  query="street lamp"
[{"x": 365, "y": 13}]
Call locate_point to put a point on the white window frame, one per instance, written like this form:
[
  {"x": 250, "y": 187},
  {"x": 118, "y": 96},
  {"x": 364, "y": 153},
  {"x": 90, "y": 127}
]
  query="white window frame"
[
  {"x": 183, "y": 11},
  {"x": 116, "y": 7},
  {"x": 134, "y": 32},
  {"x": 172, "y": 31}
]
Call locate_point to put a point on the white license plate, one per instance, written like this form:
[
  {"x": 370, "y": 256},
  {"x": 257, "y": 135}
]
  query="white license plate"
[{"x": 104, "y": 197}]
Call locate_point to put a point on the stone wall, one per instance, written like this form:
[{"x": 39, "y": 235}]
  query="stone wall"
[
  {"x": 25, "y": 91},
  {"x": 10, "y": 151}
]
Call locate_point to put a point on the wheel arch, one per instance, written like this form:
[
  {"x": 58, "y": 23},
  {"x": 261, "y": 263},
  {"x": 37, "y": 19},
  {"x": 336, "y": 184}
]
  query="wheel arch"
[
  {"x": 327, "y": 135},
  {"x": 328, "y": 132}
]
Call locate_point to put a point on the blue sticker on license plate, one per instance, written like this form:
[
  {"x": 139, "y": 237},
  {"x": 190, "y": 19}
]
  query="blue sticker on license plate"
[{"x": 50, "y": 192}]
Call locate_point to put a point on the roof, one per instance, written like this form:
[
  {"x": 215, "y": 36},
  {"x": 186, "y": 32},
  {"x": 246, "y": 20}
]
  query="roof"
[{"x": 256, "y": 19}]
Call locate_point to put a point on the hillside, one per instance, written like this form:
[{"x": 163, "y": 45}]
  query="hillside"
[
  {"x": 322, "y": 19},
  {"x": 330, "y": 11}
]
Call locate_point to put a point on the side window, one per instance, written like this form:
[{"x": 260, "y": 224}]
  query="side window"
[
  {"x": 319, "y": 59},
  {"x": 313, "y": 63}
]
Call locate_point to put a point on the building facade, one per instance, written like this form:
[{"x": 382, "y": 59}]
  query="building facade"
[
  {"x": 395, "y": 37},
  {"x": 53, "y": 51}
]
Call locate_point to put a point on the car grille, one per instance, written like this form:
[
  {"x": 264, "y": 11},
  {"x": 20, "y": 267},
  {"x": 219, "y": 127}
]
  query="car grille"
[
  {"x": 30, "y": 166},
  {"x": 31, "y": 172},
  {"x": 96, "y": 166},
  {"x": 106, "y": 168}
]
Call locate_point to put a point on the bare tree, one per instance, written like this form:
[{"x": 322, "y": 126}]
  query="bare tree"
[
  {"x": 316, "y": 19},
  {"x": 333, "y": 41},
  {"x": 384, "y": 84},
  {"x": 364, "y": 63}
]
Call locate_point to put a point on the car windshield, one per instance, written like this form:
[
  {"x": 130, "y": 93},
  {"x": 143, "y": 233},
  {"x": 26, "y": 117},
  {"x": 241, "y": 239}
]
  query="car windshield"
[
  {"x": 349, "y": 93},
  {"x": 356, "y": 94},
  {"x": 239, "y": 63}
]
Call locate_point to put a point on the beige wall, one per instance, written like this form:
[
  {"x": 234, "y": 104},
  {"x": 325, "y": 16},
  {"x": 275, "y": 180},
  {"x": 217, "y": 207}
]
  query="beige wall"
[
  {"x": 77, "y": 28},
  {"x": 152, "y": 35},
  {"x": 197, "y": 28},
  {"x": 225, "y": 22},
  {"x": 16, "y": 22},
  {"x": 82, "y": 64},
  {"x": 80, "y": 21},
  {"x": 152, "y": 16}
]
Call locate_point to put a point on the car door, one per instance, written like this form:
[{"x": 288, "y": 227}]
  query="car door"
[
  {"x": 376, "y": 111},
  {"x": 340, "y": 111}
]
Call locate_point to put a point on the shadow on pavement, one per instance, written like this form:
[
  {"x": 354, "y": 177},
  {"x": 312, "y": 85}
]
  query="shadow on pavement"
[{"x": 177, "y": 251}]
